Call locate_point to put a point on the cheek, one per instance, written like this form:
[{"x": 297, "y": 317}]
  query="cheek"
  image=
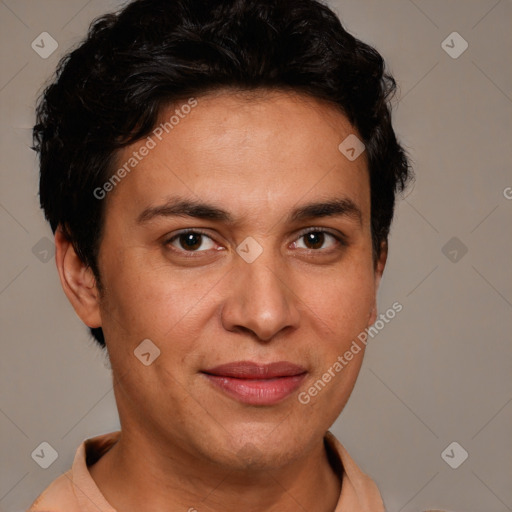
[
  {"x": 341, "y": 312},
  {"x": 342, "y": 300},
  {"x": 144, "y": 300}
]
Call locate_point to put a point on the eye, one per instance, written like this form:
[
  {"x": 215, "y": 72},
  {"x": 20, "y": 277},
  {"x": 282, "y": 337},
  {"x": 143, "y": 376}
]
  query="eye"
[
  {"x": 317, "y": 239},
  {"x": 191, "y": 241}
]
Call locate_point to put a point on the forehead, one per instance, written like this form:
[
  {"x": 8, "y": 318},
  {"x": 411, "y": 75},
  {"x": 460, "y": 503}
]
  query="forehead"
[
  {"x": 265, "y": 150},
  {"x": 268, "y": 121}
]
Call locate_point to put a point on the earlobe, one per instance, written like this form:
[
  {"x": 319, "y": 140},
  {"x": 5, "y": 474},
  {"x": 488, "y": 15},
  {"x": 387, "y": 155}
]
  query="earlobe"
[
  {"x": 381, "y": 264},
  {"x": 379, "y": 270},
  {"x": 78, "y": 281}
]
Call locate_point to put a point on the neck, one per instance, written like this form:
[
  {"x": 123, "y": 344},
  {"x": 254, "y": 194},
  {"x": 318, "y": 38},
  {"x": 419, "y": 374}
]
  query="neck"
[{"x": 166, "y": 474}]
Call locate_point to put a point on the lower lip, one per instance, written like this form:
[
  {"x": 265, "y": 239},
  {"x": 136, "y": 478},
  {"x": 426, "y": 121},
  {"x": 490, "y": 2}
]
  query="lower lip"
[{"x": 257, "y": 391}]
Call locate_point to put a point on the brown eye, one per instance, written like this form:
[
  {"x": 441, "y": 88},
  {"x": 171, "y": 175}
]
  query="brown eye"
[
  {"x": 191, "y": 241},
  {"x": 314, "y": 240},
  {"x": 317, "y": 240}
]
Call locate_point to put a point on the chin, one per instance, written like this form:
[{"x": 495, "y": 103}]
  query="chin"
[{"x": 257, "y": 451}]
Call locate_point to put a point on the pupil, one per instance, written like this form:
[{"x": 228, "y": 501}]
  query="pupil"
[
  {"x": 315, "y": 240},
  {"x": 190, "y": 240}
]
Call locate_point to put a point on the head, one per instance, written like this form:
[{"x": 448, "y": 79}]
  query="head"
[{"x": 173, "y": 135}]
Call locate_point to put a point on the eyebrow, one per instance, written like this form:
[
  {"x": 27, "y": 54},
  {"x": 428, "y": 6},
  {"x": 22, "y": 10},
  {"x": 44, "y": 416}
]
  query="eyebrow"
[
  {"x": 330, "y": 208},
  {"x": 176, "y": 207}
]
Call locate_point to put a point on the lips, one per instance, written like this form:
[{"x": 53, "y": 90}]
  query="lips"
[
  {"x": 256, "y": 384},
  {"x": 249, "y": 370}
]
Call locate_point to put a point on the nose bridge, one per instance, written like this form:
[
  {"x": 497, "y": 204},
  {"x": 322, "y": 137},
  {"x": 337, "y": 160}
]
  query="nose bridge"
[
  {"x": 260, "y": 300},
  {"x": 266, "y": 280}
]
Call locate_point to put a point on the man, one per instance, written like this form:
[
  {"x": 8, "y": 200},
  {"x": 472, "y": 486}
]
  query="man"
[{"x": 220, "y": 177}]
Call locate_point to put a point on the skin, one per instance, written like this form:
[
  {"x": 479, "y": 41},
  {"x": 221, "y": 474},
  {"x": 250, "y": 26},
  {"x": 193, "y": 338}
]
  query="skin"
[{"x": 183, "y": 441}]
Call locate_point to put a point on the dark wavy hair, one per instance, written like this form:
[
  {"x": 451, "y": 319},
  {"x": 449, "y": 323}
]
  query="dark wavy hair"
[{"x": 110, "y": 90}]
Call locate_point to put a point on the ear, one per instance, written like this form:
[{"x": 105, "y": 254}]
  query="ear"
[
  {"x": 78, "y": 281},
  {"x": 379, "y": 269}
]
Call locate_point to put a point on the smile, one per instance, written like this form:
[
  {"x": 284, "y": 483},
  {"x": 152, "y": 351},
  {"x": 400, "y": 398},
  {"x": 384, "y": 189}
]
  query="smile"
[{"x": 257, "y": 384}]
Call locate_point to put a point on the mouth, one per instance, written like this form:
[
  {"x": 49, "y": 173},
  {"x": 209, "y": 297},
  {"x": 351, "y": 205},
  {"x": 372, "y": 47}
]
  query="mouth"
[{"x": 256, "y": 384}]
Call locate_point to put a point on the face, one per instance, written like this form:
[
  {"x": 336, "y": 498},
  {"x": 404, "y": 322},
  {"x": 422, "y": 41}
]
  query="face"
[{"x": 240, "y": 240}]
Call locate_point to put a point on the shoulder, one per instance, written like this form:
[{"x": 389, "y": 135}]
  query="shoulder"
[
  {"x": 74, "y": 490},
  {"x": 57, "y": 497}
]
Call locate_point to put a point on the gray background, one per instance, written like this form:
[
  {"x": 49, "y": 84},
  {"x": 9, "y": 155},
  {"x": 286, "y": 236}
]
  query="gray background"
[{"x": 441, "y": 371}]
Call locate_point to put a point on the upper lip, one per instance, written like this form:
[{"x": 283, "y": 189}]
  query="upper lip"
[{"x": 250, "y": 370}]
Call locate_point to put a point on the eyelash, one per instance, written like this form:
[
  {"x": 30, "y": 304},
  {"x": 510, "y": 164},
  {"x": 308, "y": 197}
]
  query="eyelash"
[{"x": 338, "y": 237}]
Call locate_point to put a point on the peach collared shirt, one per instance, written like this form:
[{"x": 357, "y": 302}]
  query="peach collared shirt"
[{"x": 76, "y": 491}]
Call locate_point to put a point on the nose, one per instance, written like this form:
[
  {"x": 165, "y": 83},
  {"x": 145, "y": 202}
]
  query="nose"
[{"x": 261, "y": 300}]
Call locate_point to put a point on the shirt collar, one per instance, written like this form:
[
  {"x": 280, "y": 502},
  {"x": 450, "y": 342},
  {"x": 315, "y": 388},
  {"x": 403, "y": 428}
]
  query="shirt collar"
[{"x": 358, "y": 492}]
